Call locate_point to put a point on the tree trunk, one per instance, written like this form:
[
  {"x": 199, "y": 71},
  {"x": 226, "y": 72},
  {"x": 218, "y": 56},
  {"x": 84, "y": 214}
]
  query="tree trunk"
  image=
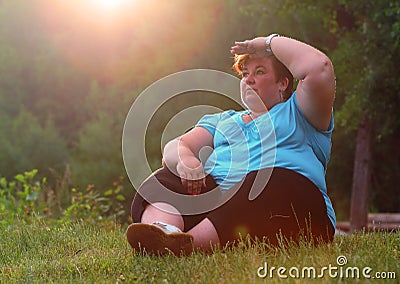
[{"x": 361, "y": 177}]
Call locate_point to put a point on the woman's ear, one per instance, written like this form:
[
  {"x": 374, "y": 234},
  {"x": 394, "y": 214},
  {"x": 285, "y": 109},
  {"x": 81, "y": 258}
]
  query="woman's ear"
[{"x": 284, "y": 83}]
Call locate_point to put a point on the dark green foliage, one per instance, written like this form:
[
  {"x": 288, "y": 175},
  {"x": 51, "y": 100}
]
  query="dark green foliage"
[
  {"x": 27, "y": 197},
  {"x": 368, "y": 57},
  {"x": 20, "y": 197},
  {"x": 94, "y": 207},
  {"x": 25, "y": 145},
  {"x": 371, "y": 53}
]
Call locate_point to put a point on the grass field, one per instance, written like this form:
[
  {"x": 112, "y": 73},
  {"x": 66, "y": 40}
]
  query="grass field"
[{"x": 44, "y": 253}]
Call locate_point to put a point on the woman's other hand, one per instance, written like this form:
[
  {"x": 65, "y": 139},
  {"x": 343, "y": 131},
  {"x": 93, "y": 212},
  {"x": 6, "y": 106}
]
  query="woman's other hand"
[
  {"x": 191, "y": 171},
  {"x": 182, "y": 156}
]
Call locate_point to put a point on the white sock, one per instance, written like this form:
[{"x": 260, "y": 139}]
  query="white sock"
[{"x": 168, "y": 227}]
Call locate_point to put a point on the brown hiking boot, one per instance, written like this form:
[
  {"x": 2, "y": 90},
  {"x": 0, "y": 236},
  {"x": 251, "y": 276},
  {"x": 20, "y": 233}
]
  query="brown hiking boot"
[{"x": 159, "y": 238}]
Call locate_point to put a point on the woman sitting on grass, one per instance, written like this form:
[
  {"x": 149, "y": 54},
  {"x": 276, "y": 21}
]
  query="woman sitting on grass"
[{"x": 292, "y": 202}]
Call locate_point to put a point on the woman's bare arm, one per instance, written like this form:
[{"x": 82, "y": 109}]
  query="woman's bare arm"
[{"x": 314, "y": 70}]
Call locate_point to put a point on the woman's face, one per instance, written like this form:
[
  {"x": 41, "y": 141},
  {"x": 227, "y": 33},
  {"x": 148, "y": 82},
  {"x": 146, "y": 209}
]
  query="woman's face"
[{"x": 259, "y": 87}]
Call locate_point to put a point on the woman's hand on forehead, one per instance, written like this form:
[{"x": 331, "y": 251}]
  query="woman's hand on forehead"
[{"x": 255, "y": 47}]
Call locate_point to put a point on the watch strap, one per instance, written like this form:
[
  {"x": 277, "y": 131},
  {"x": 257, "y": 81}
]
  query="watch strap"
[{"x": 268, "y": 43}]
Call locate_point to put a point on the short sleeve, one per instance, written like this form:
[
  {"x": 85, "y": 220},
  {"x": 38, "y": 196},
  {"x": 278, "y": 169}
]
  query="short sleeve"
[
  {"x": 209, "y": 122},
  {"x": 320, "y": 140},
  {"x": 327, "y": 133}
]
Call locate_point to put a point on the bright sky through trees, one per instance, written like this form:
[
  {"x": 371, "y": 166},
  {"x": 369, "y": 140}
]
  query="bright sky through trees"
[{"x": 125, "y": 40}]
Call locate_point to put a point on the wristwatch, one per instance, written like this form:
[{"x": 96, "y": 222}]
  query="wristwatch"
[{"x": 268, "y": 43}]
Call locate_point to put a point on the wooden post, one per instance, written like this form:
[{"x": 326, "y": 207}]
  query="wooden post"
[{"x": 361, "y": 177}]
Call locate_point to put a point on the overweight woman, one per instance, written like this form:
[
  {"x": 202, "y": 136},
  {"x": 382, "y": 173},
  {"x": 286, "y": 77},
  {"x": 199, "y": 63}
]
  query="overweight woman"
[{"x": 270, "y": 159}]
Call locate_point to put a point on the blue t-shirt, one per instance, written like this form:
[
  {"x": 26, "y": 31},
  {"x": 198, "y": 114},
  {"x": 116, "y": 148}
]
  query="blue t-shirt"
[{"x": 281, "y": 137}]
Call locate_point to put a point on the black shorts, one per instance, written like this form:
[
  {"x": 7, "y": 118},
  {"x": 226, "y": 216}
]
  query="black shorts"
[{"x": 289, "y": 206}]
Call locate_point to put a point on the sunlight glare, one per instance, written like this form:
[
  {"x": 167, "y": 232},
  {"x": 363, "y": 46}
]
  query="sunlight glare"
[{"x": 109, "y": 4}]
